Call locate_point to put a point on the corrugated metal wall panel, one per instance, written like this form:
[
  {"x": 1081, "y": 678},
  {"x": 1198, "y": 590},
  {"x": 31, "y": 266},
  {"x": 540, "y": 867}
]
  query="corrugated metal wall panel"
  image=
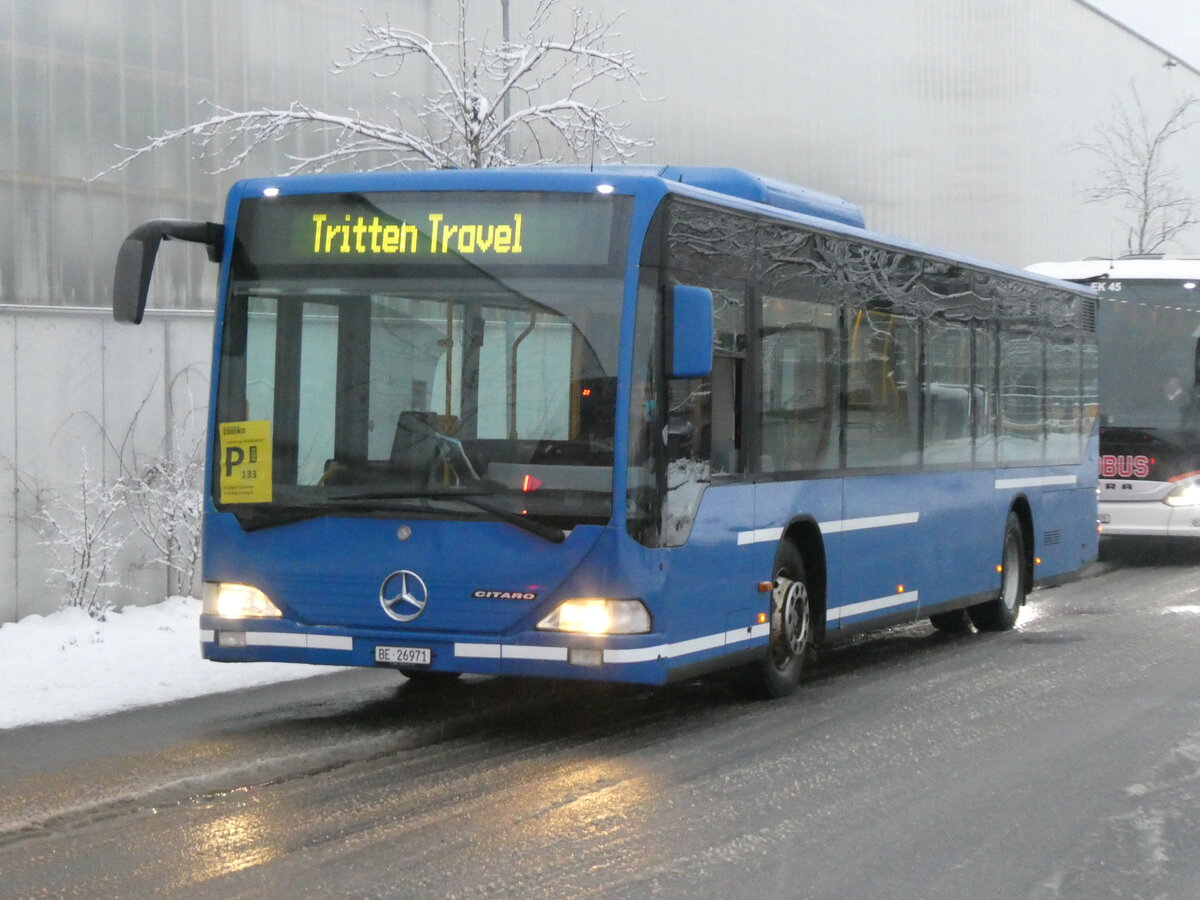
[{"x": 947, "y": 122}]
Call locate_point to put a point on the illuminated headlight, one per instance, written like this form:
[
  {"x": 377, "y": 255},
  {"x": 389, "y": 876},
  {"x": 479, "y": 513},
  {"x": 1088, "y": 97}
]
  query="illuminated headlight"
[
  {"x": 597, "y": 616},
  {"x": 237, "y": 601},
  {"x": 1186, "y": 493}
]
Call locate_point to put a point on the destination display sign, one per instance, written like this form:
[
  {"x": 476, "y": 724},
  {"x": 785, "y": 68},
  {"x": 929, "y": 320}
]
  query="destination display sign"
[{"x": 398, "y": 229}]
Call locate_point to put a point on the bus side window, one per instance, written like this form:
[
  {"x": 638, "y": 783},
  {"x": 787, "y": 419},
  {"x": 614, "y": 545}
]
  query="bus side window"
[
  {"x": 798, "y": 406},
  {"x": 1063, "y": 406},
  {"x": 882, "y": 390},
  {"x": 947, "y": 392},
  {"x": 984, "y": 395},
  {"x": 1022, "y": 397}
]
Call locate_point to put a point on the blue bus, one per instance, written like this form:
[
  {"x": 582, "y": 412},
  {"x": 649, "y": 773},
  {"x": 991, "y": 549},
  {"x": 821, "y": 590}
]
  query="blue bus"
[{"x": 628, "y": 424}]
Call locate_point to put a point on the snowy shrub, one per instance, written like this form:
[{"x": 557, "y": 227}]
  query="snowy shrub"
[
  {"x": 76, "y": 524},
  {"x": 163, "y": 497}
]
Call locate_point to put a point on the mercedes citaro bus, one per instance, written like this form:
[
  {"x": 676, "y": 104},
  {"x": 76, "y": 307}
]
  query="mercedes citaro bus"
[{"x": 628, "y": 424}]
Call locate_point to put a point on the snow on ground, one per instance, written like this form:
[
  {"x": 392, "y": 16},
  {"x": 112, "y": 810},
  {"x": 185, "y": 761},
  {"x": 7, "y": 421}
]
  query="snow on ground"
[{"x": 68, "y": 666}]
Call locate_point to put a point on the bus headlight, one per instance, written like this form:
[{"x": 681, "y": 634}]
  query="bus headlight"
[
  {"x": 237, "y": 601},
  {"x": 594, "y": 615},
  {"x": 1186, "y": 493}
]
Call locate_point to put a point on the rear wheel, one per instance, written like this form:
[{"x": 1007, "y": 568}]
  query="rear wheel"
[
  {"x": 1001, "y": 614},
  {"x": 778, "y": 672},
  {"x": 956, "y": 622}
]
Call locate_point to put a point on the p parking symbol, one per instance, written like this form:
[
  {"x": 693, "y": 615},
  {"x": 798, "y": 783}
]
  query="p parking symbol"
[
  {"x": 245, "y": 462},
  {"x": 233, "y": 459}
]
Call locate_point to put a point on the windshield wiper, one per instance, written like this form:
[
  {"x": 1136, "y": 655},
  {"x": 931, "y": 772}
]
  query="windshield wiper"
[
  {"x": 258, "y": 517},
  {"x": 469, "y": 496},
  {"x": 444, "y": 493}
]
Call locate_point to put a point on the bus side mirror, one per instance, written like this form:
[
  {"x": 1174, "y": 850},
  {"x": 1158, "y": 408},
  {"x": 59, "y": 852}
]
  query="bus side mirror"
[
  {"x": 135, "y": 260},
  {"x": 689, "y": 332}
]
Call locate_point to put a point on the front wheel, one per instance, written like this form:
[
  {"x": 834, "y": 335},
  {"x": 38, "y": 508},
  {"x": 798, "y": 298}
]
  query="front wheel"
[
  {"x": 1001, "y": 614},
  {"x": 778, "y": 672}
]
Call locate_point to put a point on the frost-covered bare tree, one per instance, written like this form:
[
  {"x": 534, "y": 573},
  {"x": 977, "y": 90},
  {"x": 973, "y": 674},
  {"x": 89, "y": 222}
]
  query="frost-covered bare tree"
[
  {"x": 163, "y": 496},
  {"x": 161, "y": 489},
  {"x": 76, "y": 524},
  {"x": 86, "y": 523},
  {"x": 541, "y": 78},
  {"x": 1135, "y": 171}
]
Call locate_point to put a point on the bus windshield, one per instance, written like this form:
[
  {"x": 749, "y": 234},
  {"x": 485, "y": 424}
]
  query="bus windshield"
[
  {"x": 1148, "y": 332},
  {"x": 449, "y": 388}
]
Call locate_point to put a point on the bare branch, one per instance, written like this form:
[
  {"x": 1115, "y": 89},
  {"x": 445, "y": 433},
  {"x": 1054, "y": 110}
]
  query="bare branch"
[
  {"x": 460, "y": 123},
  {"x": 1134, "y": 172},
  {"x": 76, "y": 526}
]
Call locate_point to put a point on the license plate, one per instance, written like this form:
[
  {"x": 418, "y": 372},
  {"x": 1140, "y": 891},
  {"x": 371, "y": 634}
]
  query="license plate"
[{"x": 406, "y": 656}]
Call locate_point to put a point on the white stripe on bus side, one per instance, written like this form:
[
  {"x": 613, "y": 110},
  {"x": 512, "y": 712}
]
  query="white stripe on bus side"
[
  {"x": 631, "y": 655},
  {"x": 1042, "y": 481},
  {"x": 910, "y": 518},
  {"x": 837, "y": 526},
  {"x": 866, "y": 606}
]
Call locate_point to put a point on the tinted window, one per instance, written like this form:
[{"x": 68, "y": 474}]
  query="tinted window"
[{"x": 799, "y": 385}]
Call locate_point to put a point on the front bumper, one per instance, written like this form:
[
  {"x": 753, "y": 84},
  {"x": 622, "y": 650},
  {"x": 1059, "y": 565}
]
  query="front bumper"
[
  {"x": 1152, "y": 518},
  {"x": 643, "y": 658}
]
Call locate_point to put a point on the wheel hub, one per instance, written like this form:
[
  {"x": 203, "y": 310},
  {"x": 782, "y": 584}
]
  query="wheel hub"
[{"x": 789, "y": 617}]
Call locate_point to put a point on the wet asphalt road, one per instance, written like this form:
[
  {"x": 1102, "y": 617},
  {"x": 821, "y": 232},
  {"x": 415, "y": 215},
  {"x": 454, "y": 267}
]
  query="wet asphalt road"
[{"x": 1058, "y": 760}]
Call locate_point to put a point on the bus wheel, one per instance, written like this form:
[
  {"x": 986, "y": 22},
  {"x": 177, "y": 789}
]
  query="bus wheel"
[
  {"x": 791, "y": 627},
  {"x": 1001, "y": 614},
  {"x": 956, "y": 622}
]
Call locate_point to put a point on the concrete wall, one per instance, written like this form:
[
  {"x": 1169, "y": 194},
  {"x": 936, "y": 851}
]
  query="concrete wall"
[{"x": 74, "y": 387}]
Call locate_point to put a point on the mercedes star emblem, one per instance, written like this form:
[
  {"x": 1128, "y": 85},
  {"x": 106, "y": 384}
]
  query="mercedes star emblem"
[{"x": 403, "y": 595}]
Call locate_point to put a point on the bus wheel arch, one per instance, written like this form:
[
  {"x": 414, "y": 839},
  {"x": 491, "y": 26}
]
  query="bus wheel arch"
[
  {"x": 797, "y": 613},
  {"x": 1024, "y": 513},
  {"x": 1016, "y": 573},
  {"x": 804, "y": 535}
]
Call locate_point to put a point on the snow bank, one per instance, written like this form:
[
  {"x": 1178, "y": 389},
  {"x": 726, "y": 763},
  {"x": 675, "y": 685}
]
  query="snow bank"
[{"x": 68, "y": 666}]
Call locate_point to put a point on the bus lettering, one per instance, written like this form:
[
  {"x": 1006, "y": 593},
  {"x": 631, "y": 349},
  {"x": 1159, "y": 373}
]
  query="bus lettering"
[
  {"x": 1112, "y": 466},
  {"x": 362, "y": 236}
]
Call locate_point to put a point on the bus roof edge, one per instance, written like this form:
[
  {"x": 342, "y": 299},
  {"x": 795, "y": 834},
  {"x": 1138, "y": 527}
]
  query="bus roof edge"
[{"x": 769, "y": 191}]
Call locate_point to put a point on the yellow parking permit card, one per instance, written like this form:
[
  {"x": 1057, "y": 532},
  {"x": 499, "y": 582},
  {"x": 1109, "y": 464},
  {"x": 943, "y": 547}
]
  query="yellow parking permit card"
[{"x": 245, "y": 462}]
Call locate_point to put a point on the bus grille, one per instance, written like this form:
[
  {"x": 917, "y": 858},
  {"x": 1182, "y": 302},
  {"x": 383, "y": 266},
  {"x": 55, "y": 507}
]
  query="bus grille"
[{"x": 1087, "y": 314}]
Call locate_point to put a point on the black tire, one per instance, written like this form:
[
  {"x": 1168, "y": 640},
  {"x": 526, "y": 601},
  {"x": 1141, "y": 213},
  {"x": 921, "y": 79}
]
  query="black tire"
[
  {"x": 1001, "y": 613},
  {"x": 955, "y": 622},
  {"x": 778, "y": 673}
]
